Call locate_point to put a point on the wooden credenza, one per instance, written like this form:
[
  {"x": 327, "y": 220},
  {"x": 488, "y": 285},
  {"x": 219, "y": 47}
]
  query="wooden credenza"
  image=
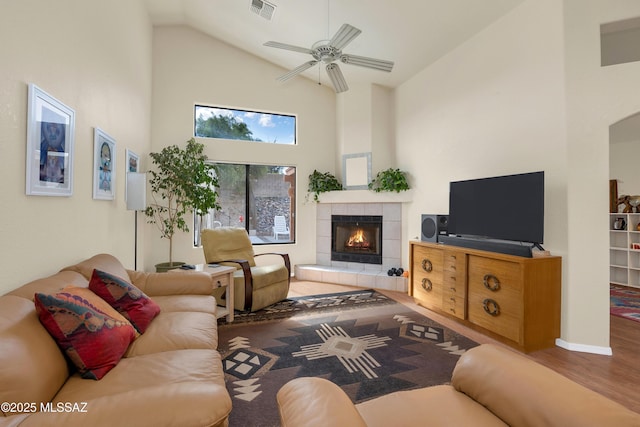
[{"x": 513, "y": 299}]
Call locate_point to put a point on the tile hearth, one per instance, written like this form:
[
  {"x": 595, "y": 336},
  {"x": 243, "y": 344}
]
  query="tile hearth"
[{"x": 352, "y": 273}]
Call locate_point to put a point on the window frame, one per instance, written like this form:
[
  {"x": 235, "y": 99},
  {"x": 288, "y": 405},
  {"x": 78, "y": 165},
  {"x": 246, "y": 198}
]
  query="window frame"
[
  {"x": 247, "y": 185},
  {"x": 244, "y": 110}
]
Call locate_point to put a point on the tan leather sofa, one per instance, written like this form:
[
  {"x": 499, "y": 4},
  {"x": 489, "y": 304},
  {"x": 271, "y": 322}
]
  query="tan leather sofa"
[
  {"x": 490, "y": 386},
  {"x": 170, "y": 376}
]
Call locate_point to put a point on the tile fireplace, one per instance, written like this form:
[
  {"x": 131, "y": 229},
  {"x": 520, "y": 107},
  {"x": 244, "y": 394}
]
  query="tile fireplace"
[{"x": 356, "y": 238}]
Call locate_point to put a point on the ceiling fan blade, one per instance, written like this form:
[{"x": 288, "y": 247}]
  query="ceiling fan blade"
[
  {"x": 363, "y": 61},
  {"x": 296, "y": 71},
  {"x": 337, "y": 78},
  {"x": 289, "y": 47},
  {"x": 344, "y": 36}
]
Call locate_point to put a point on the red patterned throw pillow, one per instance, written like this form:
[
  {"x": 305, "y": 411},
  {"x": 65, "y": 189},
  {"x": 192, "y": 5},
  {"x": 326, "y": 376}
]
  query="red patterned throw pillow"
[
  {"x": 90, "y": 335},
  {"x": 130, "y": 301}
]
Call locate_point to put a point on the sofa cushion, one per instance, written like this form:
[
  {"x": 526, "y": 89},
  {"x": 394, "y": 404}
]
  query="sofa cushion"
[
  {"x": 176, "y": 331},
  {"x": 93, "y": 340},
  {"x": 50, "y": 284},
  {"x": 130, "y": 301},
  {"x": 32, "y": 367},
  {"x": 103, "y": 262},
  {"x": 199, "y": 303}
]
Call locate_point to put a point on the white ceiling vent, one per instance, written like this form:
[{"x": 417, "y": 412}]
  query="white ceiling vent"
[{"x": 263, "y": 8}]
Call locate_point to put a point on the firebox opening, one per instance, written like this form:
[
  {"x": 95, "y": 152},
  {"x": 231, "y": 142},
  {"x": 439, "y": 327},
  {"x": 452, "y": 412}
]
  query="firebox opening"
[{"x": 356, "y": 238}]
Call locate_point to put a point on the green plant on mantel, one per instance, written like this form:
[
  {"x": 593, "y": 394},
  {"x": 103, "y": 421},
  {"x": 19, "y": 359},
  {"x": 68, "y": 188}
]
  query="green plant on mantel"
[
  {"x": 322, "y": 182},
  {"x": 389, "y": 180}
]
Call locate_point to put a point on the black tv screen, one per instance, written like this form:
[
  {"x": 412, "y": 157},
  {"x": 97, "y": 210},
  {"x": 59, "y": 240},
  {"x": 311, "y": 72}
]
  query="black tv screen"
[{"x": 507, "y": 207}]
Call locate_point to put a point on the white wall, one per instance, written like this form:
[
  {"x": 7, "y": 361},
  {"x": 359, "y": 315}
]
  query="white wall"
[
  {"x": 597, "y": 97},
  {"x": 190, "y": 67},
  {"x": 526, "y": 94},
  {"x": 95, "y": 57},
  {"x": 623, "y": 166},
  {"x": 493, "y": 106}
]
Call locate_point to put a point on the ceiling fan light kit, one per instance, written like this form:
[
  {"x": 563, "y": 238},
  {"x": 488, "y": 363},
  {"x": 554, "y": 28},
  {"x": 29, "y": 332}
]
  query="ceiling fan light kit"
[{"x": 329, "y": 52}]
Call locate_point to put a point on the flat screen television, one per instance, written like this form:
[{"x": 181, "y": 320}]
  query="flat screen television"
[{"x": 507, "y": 207}]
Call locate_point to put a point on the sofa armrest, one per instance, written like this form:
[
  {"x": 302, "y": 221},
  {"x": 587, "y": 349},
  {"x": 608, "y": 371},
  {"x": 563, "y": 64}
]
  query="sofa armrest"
[
  {"x": 189, "y": 404},
  {"x": 524, "y": 393},
  {"x": 178, "y": 282},
  {"x": 316, "y": 402}
]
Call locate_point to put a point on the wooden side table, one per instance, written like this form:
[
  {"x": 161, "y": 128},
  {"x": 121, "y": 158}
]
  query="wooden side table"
[{"x": 222, "y": 275}]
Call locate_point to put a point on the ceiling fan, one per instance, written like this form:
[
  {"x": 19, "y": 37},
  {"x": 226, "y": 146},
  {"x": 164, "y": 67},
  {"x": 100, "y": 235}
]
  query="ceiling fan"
[{"x": 330, "y": 51}]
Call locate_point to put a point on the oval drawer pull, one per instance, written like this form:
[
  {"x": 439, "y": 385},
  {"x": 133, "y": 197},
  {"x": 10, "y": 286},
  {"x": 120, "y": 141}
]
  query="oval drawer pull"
[
  {"x": 491, "y": 282},
  {"x": 491, "y": 307},
  {"x": 219, "y": 284},
  {"x": 427, "y": 265},
  {"x": 426, "y": 284}
]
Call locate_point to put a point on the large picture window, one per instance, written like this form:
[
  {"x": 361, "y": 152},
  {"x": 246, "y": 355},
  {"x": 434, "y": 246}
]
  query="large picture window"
[
  {"x": 227, "y": 123},
  {"x": 259, "y": 198}
]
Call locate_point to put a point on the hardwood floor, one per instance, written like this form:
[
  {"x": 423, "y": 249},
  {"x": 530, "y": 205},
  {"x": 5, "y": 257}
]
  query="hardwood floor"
[{"x": 616, "y": 377}]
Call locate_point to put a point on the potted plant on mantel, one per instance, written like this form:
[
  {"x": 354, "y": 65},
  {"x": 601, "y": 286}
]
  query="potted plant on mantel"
[
  {"x": 389, "y": 180},
  {"x": 182, "y": 182},
  {"x": 320, "y": 182}
]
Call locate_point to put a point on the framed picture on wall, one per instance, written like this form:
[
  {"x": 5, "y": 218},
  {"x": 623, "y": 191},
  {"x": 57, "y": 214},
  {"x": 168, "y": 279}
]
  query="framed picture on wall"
[
  {"x": 132, "y": 164},
  {"x": 104, "y": 166},
  {"x": 50, "y": 136},
  {"x": 133, "y": 161}
]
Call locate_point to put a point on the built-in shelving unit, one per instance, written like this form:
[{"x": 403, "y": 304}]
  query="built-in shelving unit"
[{"x": 624, "y": 259}]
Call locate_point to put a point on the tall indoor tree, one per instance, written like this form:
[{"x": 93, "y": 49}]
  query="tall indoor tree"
[{"x": 182, "y": 181}]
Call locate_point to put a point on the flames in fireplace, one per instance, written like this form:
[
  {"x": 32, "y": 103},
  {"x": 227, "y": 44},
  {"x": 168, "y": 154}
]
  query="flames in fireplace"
[{"x": 358, "y": 240}]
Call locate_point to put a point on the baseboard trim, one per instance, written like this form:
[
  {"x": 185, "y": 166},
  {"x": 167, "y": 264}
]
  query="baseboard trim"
[{"x": 583, "y": 348}]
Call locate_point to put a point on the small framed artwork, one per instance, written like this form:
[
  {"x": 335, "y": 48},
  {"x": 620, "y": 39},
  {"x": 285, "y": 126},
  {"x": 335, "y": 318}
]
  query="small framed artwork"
[
  {"x": 104, "y": 166},
  {"x": 50, "y": 135},
  {"x": 356, "y": 169},
  {"x": 132, "y": 163}
]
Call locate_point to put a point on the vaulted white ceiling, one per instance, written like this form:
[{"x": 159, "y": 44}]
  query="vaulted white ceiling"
[{"x": 412, "y": 33}]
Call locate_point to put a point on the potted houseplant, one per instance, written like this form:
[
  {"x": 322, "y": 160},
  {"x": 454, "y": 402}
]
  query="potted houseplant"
[
  {"x": 181, "y": 182},
  {"x": 322, "y": 182},
  {"x": 389, "y": 180}
]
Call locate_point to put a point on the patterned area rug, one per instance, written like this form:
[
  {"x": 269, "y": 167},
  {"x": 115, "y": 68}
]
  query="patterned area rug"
[
  {"x": 369, "y": 350},
  {"x": 314, "y": 303},
  {"x": 625, "y": 302}
]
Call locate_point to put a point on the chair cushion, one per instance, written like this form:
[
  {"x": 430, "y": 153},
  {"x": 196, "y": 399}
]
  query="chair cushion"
[
  {"x": 227, "y": 243},
  {"x": 266, "y": 275},
  {"x": 130, "y": 301},
  {"x": 93, "y": 340}
]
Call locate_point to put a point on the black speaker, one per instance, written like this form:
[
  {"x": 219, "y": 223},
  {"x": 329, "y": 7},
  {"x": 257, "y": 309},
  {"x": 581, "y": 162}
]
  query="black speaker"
[{"x": 433, "y": 226}]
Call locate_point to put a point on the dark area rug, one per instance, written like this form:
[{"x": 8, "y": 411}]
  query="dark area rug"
[
  {"x": 368, "y": 350},
  {"x": 313, "y": 303},
  {"x": 625, "y": 302}
]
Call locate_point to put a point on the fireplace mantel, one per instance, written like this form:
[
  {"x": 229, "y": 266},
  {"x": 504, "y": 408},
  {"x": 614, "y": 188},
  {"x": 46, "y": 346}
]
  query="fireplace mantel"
[{"x": 365, "y": 196}]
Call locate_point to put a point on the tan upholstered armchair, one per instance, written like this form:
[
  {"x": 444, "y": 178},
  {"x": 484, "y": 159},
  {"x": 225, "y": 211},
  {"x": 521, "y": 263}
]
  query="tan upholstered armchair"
[{"x": 255, "y": 287}]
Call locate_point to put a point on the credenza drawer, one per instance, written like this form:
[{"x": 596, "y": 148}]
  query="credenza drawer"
[
  {"x": 495, "y": 296},
  {"x": 427, "y": 276}
]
